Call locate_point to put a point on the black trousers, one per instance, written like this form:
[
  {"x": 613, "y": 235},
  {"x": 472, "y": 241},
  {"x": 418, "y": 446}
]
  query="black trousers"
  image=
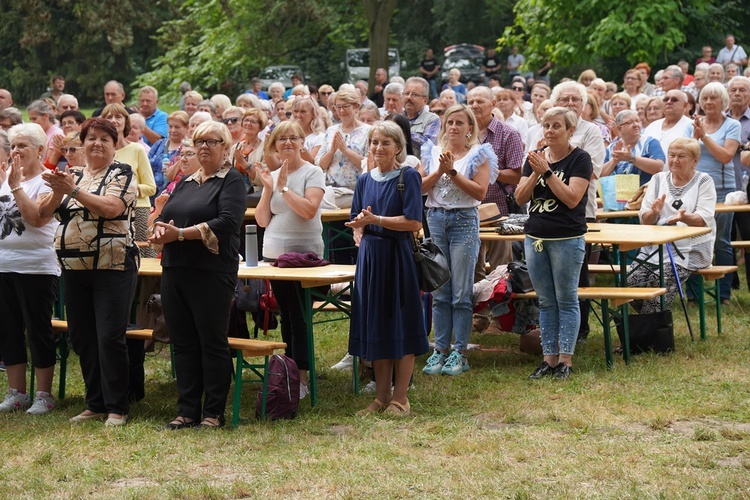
[
  {"x": 26, "y": 302},
  {"x": 98, "y": 307},
  {"x": 742, "y": 226},
  {"x": 584, "y": 305},
  {"x": 196, "y": 309},
  {"x": 292, "y": 318}
]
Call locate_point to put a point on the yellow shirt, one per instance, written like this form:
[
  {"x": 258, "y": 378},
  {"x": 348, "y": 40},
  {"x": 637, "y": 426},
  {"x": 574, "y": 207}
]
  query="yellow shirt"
[{"x": 134, "y": 155}]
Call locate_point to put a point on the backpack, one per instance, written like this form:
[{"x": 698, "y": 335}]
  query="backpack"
[{"x": 282, "y": 400}]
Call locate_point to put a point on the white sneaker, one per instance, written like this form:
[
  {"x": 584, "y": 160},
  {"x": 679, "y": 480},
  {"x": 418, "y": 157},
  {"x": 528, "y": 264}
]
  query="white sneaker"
[
  {"x": 346, "y": 363},
  {"x": 303, "y": 391},
  {"x": 43, "y": 402},
  {"x": 369, "y": 388},
  {"x": 15, "y": 401}
]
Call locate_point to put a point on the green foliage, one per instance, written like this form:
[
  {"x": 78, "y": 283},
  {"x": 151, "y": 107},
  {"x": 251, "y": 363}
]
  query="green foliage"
[
  {"x": 87, "y": 42},
  {"x": 588, "y": 32}
]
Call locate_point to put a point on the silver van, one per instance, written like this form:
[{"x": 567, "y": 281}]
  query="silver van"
[{"x": 357, "y": 64}]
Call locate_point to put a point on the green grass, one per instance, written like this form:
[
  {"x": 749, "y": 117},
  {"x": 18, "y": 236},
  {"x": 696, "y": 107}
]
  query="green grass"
[{"x": 666, "y": 426}]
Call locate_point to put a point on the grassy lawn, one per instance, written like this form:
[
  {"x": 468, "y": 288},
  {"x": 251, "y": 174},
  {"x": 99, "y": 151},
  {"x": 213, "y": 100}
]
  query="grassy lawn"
[{"x": 675, "y": 426}]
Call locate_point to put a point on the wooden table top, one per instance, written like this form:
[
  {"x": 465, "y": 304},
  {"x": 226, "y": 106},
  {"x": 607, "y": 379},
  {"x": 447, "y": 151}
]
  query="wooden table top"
[
  {"x": 626, "y": 236},
  {"x": 342, "y": 214},
  {"x": 308, "y": 276},
  {"x": 720, "y": 208}
]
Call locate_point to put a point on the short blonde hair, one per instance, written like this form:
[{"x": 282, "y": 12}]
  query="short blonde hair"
[
  {"x": 258, "y": 113},
  {"x": 192, "y": 94},
  {"x": 118, "y": 109},
  {"x": 348, "y": 96},
  {"x": 472, "y": 140},
  {"x": 569, "y": 116},
  {"x": 592, "y": 101},
  {"x": 180, "y": 116},
  {"x": 247, "y": 98},
  {"x": 716, "y": 89},
  {"x": 691, "y": 146},
  {"x": 284, "y": 127},
  {"x": 213, "y": 127},
  {"x": 623, "y": 96},
  {"x": 391, "y": 130}
]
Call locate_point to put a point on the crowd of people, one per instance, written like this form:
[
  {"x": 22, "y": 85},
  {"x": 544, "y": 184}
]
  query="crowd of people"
[{"x": 78, "y": 195}]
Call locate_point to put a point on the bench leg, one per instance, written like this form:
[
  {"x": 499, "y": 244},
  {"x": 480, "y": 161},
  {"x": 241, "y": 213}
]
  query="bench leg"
[
  {"x": 237, "y": 388},
  {"x": 717, "y": 296},
  {"x": 607, "y": 335},
  {"x": 701, "y": 300},
  {"x": 64, "y": 351},
  {"x": 626, "y": 334}
]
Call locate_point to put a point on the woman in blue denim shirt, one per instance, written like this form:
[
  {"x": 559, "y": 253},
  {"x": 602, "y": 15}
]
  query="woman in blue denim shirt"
[
  {"x": 556, "y": 179},
  {"x": 455, "y": 176}
]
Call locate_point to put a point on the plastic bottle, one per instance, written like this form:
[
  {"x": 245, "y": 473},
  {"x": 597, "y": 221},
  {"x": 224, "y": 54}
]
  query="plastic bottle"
[{"x": 251, "y": 245}]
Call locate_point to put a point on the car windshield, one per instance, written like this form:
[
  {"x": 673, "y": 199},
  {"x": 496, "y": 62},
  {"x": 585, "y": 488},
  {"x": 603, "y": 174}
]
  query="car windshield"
[
  {"x": 361, "y": 58},
  {"x": 462, "y": 62},
  {"x": 278, "y": 73}
]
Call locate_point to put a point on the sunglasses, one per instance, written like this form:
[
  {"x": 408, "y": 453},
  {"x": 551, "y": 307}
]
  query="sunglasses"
[
  {"x": 227, "y": 121},
  {"x": 325, "y": 93},
  {"x": 71, "y": 150},
  {"x": 671, "y": 99},
  {"x": 288, "y": 114},
  {"x": 517, "y": 89}
]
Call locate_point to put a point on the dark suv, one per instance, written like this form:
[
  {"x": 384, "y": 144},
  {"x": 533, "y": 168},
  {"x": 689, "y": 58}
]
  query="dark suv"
[{"x": 465, "y": 57}]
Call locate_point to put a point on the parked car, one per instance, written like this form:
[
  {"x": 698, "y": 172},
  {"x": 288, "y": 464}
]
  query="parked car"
[
  {"x": 281, "y": 74},
  {"x": 357, "y": 64},
  {"x": 465, "y": 57}
]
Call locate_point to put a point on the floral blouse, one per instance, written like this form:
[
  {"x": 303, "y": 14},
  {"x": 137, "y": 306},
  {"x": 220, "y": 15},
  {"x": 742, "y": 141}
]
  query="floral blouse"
[{"x": 342, "y": 172}]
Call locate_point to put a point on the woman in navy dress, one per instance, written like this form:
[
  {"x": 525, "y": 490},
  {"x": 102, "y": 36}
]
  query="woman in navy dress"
[{"x": 387, "y": 324}]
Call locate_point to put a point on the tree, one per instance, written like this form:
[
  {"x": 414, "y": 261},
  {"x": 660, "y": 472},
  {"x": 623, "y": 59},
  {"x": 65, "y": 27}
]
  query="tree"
[{"x": 379, "y": 14}]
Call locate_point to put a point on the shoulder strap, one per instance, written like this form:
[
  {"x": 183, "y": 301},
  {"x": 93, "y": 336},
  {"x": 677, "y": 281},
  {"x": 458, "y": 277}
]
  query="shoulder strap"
[{"x": 400, "y": 187}]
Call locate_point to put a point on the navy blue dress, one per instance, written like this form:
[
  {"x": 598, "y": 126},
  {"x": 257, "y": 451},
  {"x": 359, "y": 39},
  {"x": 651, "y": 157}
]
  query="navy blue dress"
[{"x": 387, "y": 320}]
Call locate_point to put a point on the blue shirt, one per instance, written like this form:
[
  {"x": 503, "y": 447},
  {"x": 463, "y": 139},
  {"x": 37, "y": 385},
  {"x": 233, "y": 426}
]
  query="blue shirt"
[
  {"x": 722, "y": 174},
  {"x": 647, "y": 147},
  {"x": 158, "y": 123},
  {"x": 259, "y": 95}
]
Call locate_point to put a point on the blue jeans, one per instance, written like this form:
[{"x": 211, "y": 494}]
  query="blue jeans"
[
  {"x": 723, "y": 248},
  {"x": 554, "y": 272},
  {"x": 456, "y": 232},
  {"x": 433, "y": 89}
]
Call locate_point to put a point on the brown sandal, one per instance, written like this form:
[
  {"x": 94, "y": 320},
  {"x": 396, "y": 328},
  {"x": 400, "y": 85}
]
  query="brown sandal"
[
  {"x": 379, "y": 408},
  {"x": 396, "y": 408}
]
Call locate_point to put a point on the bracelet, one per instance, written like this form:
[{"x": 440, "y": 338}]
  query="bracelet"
[
  {"x": 380, "y": 222},
  {"x": 16, "y": 189}
]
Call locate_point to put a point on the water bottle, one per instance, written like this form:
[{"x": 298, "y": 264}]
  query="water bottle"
[
  {"x": 165, "y": 163},
  {"x": 251, "y": 245}
]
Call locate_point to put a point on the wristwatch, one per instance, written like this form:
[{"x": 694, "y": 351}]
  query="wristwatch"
[
  {"x": 453, "y": 172},
  {"x": 283, "y": 190},
  {"x": 74, "y": 193},
  {"x": 546, "y": 175},
  {"x": 180, "y": 234}
]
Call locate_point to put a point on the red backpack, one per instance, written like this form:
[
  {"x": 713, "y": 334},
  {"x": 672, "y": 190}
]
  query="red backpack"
[{"x": 282, "y": 400}]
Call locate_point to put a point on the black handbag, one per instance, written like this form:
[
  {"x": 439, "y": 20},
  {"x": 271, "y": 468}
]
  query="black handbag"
[
  {"x": 649, "y": 332},
  {"x": 433, "y": 270},
  {"x": 520, "y": 281}
]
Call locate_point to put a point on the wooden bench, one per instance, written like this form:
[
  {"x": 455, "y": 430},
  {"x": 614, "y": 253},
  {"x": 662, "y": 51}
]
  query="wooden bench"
[
  {"x": 741, "y": 244},
  {"x": 617, "y": 297}
]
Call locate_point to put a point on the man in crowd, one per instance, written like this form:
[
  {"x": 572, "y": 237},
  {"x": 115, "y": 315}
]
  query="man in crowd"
[
  {"x": 429, "y": 68},
  {"x": 491, "y": 65},
  {"x": 6, "y": 99},
  {"x": 58, "y": 85},
  {"x": 732, "y": 53},
  {"x": 67, "y": 102},
  {"x": 671, "y": 80},
  {"x": 381, "y": 80},
  {"x": 515, "y": 60},
  {"x": 393, "y": 99},
  {"x": 156, "y": 119},
  {"x": 674, "y": 123},
  {"x": 114, "y": 93},
  {"x": 739, "y": 109},
  {"x": 256, "y": 87},
  {"x": 424, "y": 124}
]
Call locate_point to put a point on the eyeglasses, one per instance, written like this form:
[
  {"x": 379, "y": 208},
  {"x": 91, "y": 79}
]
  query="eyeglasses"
[
  {"x": 288, "y": 139},
  {"x": 572, "y": 99},
  {"x": 413, "y": 94},
  {"x": 342, "y": 106},
  {"x": 211, "y": 143},
  {"x": 227, "y": 121},
  {"x": 325, "y": 93},
  {"x": 71, "y": 150},
  {"x": 518, "y": 89},
  {"x": 631, "y": 78},
  {"x": 630, "y": 123},
  {"x": 186, "y": 156},
  {"x": 671, "y": 99},
  {"x": 248, "y": 122},
  {"x": 653, "y": 108},
  {"x": 288, "y": 114}
]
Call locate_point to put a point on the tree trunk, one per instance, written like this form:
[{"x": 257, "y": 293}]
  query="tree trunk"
[{"x": 379, "y": 14}]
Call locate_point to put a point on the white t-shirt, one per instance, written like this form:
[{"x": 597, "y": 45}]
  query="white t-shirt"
[
  {"x": 25, "y": 249},
  {"x": 665, "y": 137},
  {"x": 314, "y": 140}
]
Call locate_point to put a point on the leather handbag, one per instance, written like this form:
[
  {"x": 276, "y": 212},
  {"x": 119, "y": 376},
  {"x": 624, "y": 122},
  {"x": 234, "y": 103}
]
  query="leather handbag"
[
  {"x": 649, "y": 332},
  {"x": 520, "y": 281},
  {"x": 433, "y": 270}
]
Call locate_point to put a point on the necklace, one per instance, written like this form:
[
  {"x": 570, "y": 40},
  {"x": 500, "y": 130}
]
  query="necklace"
[{"x": 551, "y": 160}]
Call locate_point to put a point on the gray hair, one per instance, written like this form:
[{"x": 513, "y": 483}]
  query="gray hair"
[
  {"x": 209, "y": 103},
  {"x": 674, "y": 71},
  {"x": 567, "y": 86},
  {"x": 569, "y": 116},
  {"x": 15, "y": 116},
  {"x": 392, "y": 131},
  {"x": 31, "y": 131},
  {"x": 422, "y": 82},
  {"x": 278, "y": 85},
  {"x": 148, "y": 89},
  {"x": 221, "y": 100},
  {"x": 717, "y": 65},
  {"x": 40, "y": 107},
  {"x": 624, "y": 115},
  {"x": 5, "y": 141},
  {"x": 393, "y": 88},
  {"x": 716, "y": 89},
  {"x": 702, "y": 67},
  {"x": 739, "y": 80}
]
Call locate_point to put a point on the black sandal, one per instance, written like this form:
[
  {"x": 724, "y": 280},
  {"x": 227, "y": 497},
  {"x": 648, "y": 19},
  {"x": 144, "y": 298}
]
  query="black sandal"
[
  {"x": 180, "y": 423},
  {"x": 210, "y": 424}
]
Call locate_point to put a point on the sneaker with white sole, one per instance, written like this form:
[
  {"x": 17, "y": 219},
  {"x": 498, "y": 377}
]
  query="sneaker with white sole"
[
  {"x": 435, "y": 363},
  {"x": 43, "y": 403},
  {"x": 15, "y": 401},
  {"x": 369, "y": 388},
  {"x": 456, "y": 364},
  {"x": 345, "y": 364}
]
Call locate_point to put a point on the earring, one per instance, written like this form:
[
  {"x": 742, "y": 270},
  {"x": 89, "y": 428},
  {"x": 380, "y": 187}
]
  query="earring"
[{"x": 468, "y": 135}]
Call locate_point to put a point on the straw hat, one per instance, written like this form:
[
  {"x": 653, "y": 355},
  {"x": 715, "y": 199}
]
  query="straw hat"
[{"x": 489, "y": 214}]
